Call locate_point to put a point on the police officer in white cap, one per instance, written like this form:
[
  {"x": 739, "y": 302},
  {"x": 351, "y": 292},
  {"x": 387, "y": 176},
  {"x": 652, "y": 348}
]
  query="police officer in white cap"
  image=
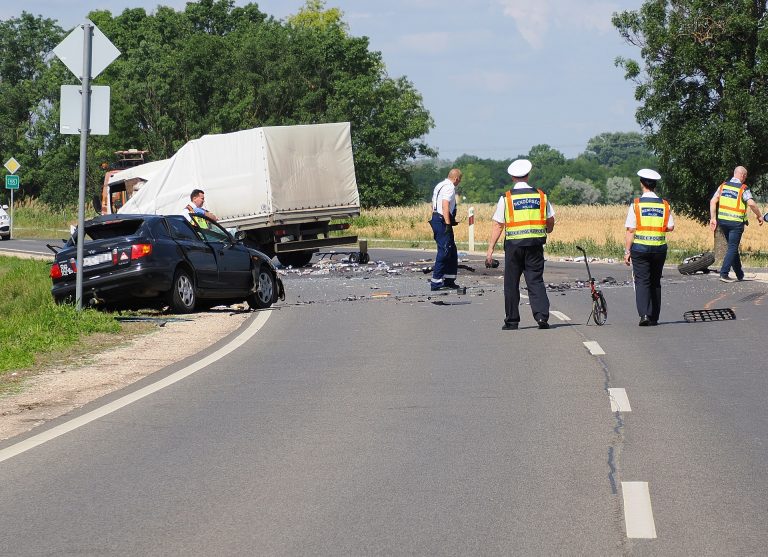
[
  {"x": 649, "y": 218},
  {"x": 526, "y": 217}
]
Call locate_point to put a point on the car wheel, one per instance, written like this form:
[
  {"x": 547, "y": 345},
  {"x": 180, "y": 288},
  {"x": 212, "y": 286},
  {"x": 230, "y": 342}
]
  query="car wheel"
[
  {"x": 696, "y": 263},
  {"x": 265, "y": 293},
  {"x": 183, "y": 293}
]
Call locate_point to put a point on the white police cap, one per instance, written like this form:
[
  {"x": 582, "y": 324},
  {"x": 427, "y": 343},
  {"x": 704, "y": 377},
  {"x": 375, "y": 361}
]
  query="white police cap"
[
  {"x": 520, "y": 168},
  {"x": 649, "y": 174}
]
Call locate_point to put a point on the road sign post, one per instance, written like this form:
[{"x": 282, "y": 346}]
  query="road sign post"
[
  {"x": 94, "y": 61},
  {"x": 12, "y": 182}
]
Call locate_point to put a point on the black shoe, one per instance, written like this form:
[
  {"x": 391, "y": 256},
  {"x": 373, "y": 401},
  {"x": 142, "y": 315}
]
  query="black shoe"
[
  {"x": 509, "y": 327},
  {"x": 543, "y": 325},
  {"x": 644, "y": 321},
  {"x": 452, "y": 284}
]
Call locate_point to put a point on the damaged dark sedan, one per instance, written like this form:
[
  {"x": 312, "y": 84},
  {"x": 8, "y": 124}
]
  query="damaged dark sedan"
[{"x": 148, "y": 261}]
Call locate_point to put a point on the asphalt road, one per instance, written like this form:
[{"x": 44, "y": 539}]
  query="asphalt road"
[{"x": 369, "y": 416}]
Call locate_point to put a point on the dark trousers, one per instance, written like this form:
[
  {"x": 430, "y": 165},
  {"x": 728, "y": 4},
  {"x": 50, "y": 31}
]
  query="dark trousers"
[
  {"x": 732, "y": 232},
  {"x": 528, "y": 261},
  {"x": 648, "y": 267},
  {"x": 447, "y": 258}
]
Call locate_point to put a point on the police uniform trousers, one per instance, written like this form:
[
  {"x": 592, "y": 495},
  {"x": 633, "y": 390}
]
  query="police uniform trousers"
[
  {"x": 529, "y": 261},
  {"x": 447, "y": 258},
  {"x": 648, "y": 267}
]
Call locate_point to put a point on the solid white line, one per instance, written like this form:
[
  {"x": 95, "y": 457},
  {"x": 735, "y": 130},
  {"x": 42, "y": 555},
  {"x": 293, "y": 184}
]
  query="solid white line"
[
  {"x": 66, "y": 427},
  {"x": 638, "y": 515},
  {"x": 560, "y": 315},
  {"x": 619, "y": 400},
  {"x": 594, "y": 348}
]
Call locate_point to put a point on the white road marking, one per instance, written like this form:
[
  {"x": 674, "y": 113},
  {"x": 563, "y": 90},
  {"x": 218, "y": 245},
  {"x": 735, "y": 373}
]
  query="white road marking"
[
  {"x": 594, "y": 348},
  {"x": 71, "y": 425},
  {"x": 619, "y": 400},
  {"x": 560, "y": 315},
  {"x": 638, "y": 515}
]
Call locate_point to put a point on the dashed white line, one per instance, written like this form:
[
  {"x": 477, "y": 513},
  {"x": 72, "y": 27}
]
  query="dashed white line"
[
  {"x": 638, "y": 515},
  {"x": 619, "y": 400},
  {"x": 66, "y": 427},
  {"x": 560, "y": 315},
  {"x": 594, "y": 348}
]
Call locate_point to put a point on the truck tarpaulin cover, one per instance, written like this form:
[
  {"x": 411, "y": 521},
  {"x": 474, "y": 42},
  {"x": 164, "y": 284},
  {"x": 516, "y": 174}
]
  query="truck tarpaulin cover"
[{"x": 257, "y": 174}]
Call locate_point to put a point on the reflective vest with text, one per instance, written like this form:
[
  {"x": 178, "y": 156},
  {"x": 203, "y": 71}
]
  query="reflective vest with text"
[
  {"x": 731, "y": 205},
  {"x": 525, "y": 216},
  {"x": 652, "y": 216}
]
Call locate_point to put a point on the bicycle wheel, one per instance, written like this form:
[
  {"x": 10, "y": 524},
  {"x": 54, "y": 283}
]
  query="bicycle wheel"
[{"x": 599, "y": 309}]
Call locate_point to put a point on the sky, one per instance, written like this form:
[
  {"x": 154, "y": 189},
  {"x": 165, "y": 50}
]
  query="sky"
[{"x": 497, "y": 76}]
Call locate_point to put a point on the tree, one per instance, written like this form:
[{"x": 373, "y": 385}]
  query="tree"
[
  {"x": 574, "y": 192},
  {"x": 703, "y": 89},
  {"x": 611, "y": 149},
  {"x": 212, "y": 68},
  {"x": 618, "y": 189}
]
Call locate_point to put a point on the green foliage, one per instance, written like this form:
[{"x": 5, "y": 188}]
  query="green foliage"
[
  {"x": 31, "y": 323},
  {"x": 485, "y": 179},
  {"x": 212, "y": 68},
  {"x": 703, "y": 89},
  {"x": 574, "y": 192},
  {"x": 618, "y": 190}
]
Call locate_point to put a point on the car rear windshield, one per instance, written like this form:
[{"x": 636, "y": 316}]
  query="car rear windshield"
[{"x": 113, "y": 229}]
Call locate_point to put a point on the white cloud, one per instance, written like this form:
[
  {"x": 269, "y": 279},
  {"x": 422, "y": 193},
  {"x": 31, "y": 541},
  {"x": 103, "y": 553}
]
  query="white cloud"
[{"x": 535, "y": 18}]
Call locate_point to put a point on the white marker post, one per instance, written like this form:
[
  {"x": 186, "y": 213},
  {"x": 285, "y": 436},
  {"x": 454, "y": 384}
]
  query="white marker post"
[{"x": 471, "y": 221}]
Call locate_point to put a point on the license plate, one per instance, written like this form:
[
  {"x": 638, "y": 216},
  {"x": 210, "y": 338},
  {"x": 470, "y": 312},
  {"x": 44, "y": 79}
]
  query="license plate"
[
  {"x": 66, "y": 270},
  {"x": 92, "y": 260}
]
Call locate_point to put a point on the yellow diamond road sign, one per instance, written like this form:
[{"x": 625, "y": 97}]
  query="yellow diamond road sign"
[{"x": 12, "y": 165}]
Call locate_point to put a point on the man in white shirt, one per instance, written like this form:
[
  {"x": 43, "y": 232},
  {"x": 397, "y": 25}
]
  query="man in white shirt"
[
  {"x": 649, "y": 218},
  {"x": 442, "y": 222},
  {"x": 526, "y": 217},
  {"x": 728, "y": 211}
]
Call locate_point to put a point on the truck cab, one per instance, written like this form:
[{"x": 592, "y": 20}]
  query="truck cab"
[{"x": 114, "y": 198}]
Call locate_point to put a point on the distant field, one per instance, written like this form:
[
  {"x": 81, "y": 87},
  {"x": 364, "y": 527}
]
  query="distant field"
[{"x": 599, "y": 229}]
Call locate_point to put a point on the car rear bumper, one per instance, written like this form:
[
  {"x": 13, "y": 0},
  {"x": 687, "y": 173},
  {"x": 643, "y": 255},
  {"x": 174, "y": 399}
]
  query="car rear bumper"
[{"x": 117, "y": 285}]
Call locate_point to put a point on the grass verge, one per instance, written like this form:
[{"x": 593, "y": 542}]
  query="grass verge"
[{"x": 33, "y": 327}]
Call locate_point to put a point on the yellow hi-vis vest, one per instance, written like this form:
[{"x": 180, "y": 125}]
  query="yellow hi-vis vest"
[
  {"x": 652, "y": 215},
  {"x": 525, "y": 214},
  {"x": 732, "y": 206}
]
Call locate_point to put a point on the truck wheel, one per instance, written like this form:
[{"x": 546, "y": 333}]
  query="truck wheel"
[
  {"x": 182, "y": 293},
  {"x": 696, "y": 263},
  {"x": 265, "y": 293},
  {"x": 295, "y": 259}
]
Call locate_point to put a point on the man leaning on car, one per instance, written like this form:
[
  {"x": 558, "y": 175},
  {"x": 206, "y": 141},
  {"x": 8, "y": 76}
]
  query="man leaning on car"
[{"x": 197, "y": 198}]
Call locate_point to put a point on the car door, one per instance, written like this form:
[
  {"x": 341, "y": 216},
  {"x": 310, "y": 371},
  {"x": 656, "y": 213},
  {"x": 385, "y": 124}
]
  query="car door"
[
  {"x": 234, "y": 260},
  {"x": 199, "y": 253}
]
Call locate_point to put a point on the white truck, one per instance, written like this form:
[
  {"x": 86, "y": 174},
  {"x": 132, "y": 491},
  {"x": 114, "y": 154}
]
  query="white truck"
[{"x": 281, "y": 186}]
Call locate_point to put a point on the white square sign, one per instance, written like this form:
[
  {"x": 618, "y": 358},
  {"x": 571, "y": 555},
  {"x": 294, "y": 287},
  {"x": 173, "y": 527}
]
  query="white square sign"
[{"x": 72, "y": 110}]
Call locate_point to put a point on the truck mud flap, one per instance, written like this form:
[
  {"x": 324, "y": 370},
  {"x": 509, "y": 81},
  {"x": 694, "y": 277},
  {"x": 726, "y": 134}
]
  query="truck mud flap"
[{"x": 305, "y": 245}]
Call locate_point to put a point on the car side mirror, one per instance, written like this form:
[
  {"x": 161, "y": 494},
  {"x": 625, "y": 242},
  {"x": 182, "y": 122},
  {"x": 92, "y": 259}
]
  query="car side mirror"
[
  {"x": 5, "y": 207},
  {"x": 240, "y": 235}
]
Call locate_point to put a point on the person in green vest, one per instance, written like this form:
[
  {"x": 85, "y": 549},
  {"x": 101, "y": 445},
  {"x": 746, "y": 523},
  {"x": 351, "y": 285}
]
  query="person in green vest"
[
  {"x": 525, "y": 217},
  {"x": 728, "y": 210},
  {"x": 649, "y": 218}
]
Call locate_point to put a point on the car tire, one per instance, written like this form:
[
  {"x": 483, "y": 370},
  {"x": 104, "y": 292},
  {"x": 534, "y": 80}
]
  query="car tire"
[
  {"x": 266, "y": 291},
  {"x": 696, "y": 263},
  {"x": 182, "y": 298}
]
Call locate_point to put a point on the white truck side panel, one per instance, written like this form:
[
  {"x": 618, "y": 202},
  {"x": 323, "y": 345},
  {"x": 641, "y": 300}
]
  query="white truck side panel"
[
  {"x": 259, "y": 176},
  {"x": 310, "y": 167}
]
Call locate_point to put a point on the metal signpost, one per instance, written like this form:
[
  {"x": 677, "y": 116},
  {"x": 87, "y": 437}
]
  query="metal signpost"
[
  {"x": 90, "y": 64},
  {"x": 12, "y": 182}
]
